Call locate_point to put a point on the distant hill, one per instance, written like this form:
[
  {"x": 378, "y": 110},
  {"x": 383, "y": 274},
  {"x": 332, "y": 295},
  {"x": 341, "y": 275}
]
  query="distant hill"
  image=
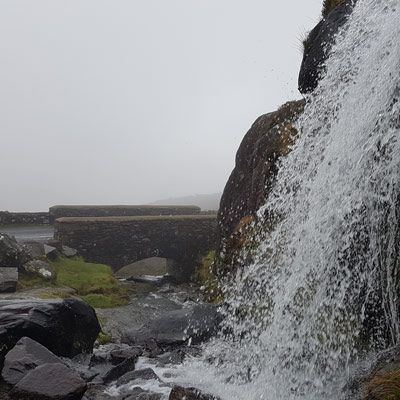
[{"x": 204, "y": 201}]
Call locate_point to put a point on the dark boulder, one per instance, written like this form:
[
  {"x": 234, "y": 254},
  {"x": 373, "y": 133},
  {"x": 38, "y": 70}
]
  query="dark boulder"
[
  {"x": 25, "y": 356},
  {"x": 181, "y": 393},
  {"x": 138, "y": 393},
  {"x": 119, "y": 355},
  {"x": 146, "y": 374},
  {"x": 145, "y": 396},
  {"x": 66, "y": 327},
  {"x": 51, "y": 252},
  {"x": 319, "y": 43},
  {"x": 250, "y": 183},
  {"x": 50, "y": 382},
  {"x": 196, "y": 324},
  {"x": 12, "y": 254},
  {"x": 122, "y": 368}
]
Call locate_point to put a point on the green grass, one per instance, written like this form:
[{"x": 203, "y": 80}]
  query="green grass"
[
  {"x": 104, "y": 301},
  {"x": 84, "y": 277},
  {"x": 94, "y": 283},
  {"x": 104, "y": 338}
]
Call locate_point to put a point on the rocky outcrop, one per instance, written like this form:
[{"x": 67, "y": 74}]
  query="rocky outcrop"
[
  {"x": 319, "y": 42},
  {"x": 270, "y": 138},
  {"x": 65, "y": 327}
]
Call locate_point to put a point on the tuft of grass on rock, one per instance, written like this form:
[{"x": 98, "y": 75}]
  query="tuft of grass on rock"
[
  {"x": 26, "y": 282},
  {"x": 104, "y": 338},
  {"x": 104, "y": 301}
]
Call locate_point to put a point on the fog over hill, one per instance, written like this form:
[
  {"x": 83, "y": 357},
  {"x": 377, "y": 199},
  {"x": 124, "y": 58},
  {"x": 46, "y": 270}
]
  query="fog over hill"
[{"x": 204, "y": 201}]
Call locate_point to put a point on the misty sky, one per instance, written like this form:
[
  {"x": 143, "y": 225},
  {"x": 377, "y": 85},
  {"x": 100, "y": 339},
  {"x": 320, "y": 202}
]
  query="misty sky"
[{"x": 129, "y": 101}]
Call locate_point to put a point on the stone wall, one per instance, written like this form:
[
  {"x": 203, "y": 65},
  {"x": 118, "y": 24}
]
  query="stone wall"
[
  {"x": 24, "y": 218},
  {"x": 119, "y": 241},
  {"x": 118, "y": 211}
]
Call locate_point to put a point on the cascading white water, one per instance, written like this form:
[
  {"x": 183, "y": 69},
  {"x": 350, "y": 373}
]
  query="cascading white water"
[{"x": 321, "y": 291}]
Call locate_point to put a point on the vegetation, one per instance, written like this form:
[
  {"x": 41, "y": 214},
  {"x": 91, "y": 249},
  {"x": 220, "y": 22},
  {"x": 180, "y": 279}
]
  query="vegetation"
[
  {"x": 384, "y": 386},
  {"x": 207, "y": 278},
  {"x": 94, "y": 283},
  {"x": 104, "y": 338},
  {"x": 329, "y": 5}
]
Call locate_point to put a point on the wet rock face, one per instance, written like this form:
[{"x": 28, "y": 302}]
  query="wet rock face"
[
  {"x": 8, "y": 279},
  {"x": 181, "y": 393},
  {"x": 50, "y": 382},
  {"x": 250, "y": 182},
  {"x": 25, "y": 356},
  {"x": 65, "y": 327},
  {"x": 318, "y": 45},
  {"x": 11, "y": 253},
  {"x": 175, "y": 328}
]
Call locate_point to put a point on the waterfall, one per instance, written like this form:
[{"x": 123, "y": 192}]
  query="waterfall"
[{"x": 321, "y": 293}]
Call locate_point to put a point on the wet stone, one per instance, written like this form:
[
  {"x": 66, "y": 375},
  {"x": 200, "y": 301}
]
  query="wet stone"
[
  {"x": 181, "y": 393},
  {"x": 139, "y": 375},
  {"x": 48, "y": 382},
  {"x": 25, "y": 356}
]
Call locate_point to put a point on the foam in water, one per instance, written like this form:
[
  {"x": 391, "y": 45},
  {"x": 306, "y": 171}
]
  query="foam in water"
[{"x": 321, "y": 291}]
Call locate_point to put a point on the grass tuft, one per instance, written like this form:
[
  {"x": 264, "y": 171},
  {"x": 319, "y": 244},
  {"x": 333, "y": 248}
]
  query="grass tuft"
[
  {"x": 104, "y": 338},
  {"x": 104, "y": 301}
]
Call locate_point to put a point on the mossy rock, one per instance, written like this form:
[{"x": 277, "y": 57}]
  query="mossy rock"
[
  {"x": 206, "y": 277},
  {"x": 94, "y": 283}
]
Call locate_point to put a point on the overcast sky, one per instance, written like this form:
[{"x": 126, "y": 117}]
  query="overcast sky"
[{"x": 129, "y": 101}]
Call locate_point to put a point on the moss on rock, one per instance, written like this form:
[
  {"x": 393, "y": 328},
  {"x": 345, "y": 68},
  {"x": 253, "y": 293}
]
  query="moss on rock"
[
  {"x": 206, "y": 277},
  {"x": 94, "y": 283}
]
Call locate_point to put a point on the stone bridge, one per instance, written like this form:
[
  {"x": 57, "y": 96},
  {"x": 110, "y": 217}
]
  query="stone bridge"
[
  {"x": 119, "y": 241},
  {"x": 56, "y": 212}
]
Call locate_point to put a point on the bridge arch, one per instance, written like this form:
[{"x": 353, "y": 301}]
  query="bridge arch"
[{"x": 119, "y": 241}]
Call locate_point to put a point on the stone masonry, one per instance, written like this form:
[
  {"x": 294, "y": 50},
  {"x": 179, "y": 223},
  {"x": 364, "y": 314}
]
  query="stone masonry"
[{"x": 119, "y": 241}]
